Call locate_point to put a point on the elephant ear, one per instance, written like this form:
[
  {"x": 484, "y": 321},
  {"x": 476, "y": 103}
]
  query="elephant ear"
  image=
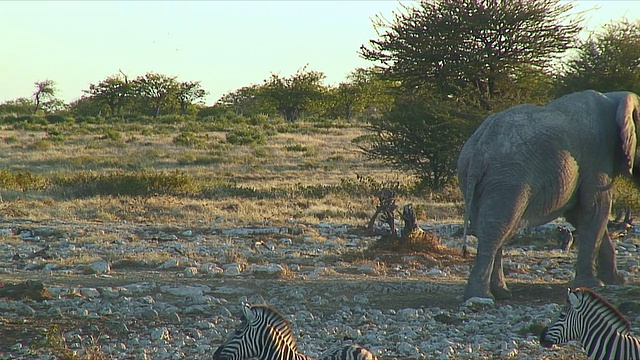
[{"x": 627, "y": 116}]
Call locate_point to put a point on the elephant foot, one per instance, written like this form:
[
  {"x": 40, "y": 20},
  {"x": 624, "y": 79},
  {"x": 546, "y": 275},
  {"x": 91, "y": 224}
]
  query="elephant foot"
[
  {"x": 501, "y": 292},
  {"x": 587, "y": 281},
  {"x": 476, "y": 291},
  {"x": 613, "y": 279}
]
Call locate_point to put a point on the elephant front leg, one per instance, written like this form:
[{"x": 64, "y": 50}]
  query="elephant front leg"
[
  {"x": 498, "y": 284},
  {"x": 607, "y": 268}
]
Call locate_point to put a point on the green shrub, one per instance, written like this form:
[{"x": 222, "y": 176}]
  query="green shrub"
[
  {"x": 9, "y": 118},
  {"x": 10, "y": 140},
  {"x": 297, "y": 147},
  {"x": 111, "y": 135},
  {"x": 246, "y": 136},
  {"x": 191, "y": 140},
  {"x": 58, "y": 119},
  {"x": 22, "y": 180},
  {"x": 625, "y": 194},
  {"x": 139, "y": 183},
  {"x": 40, "y": 145}
]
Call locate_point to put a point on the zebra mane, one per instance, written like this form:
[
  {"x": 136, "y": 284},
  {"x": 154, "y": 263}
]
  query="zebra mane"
[
  {"x": 278, "y": 323},
  {"x": 617, "y": 321}
]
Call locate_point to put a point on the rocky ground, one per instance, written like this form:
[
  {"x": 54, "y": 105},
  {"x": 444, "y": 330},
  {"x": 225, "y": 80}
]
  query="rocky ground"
[{"x": 127, "y": 291}]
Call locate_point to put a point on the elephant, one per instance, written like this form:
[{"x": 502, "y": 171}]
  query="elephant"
[{"x": 528, "y": 165}]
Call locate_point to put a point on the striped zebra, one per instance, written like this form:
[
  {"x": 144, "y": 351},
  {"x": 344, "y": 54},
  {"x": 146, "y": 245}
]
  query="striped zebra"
[
  {"x": 266, "y": 335},
  {"x": 601, "y": 329}
]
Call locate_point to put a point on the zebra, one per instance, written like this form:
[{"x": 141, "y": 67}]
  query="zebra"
[
  {"x": 601, "y": 329},
  {"x": 266, "y": 335}
]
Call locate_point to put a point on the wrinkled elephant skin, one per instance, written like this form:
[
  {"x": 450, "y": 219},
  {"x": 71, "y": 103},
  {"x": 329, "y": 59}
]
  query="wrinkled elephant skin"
[{"x": 528, "y": 165}]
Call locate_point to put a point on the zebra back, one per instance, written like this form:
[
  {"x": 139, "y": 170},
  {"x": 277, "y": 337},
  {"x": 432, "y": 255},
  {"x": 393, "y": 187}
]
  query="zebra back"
[{"x": 348, "y": 352}]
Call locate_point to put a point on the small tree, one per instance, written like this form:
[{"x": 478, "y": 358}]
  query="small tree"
[
  {"x": 188, "y": 92},
  {"x": 45, "y": 91},
  {"x": 155, "y": 90},
  {"x": 292, "y": 96},
  {"x": 243, "y": 101},
  {"x": 363, "y": 91},
  {"x": 422, "y": 134},
  {"x": 112, "y": 91}
]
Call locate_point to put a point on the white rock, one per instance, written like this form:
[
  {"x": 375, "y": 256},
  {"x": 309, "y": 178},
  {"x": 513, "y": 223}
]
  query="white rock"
[
  {"x": 232, "y": 269},
  {"x": 170, "y": 264},
  {"x": 360, "y": 299},
  {"x": 478, "y": 302},
  {"x": 100, "y": 266},
  {"x": 190, "y": 271},
  {"x": 89, "y": 292}
]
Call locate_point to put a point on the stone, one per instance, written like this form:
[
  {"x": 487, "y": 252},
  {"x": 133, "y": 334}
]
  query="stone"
[{"x": 100, "y": 267}]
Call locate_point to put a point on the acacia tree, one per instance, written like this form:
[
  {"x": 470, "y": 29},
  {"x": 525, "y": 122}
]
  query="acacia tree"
[
  {"x": 608, "y": 60},
  {"x": 154, "y": 90},
  {"x": 188, "y": 92},
  {"x": 292, "y": 96},
  {"x": 465, "y": 58},
  {"x": 363, "y": 90},
  {"x": 474, "y": 46},
  {"x": 45, "y": 91},
  {"x": 112, "y": 91}
]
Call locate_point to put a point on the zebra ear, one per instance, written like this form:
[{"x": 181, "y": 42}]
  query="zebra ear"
[
  {"x": 246, "y": 311},
  {"x": 572, "y": 298}
]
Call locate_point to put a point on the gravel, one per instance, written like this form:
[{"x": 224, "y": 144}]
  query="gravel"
[{"x": 175, "y": 293}]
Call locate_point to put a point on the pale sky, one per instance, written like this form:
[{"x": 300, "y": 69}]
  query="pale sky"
[{"x": 223, "y": 44}]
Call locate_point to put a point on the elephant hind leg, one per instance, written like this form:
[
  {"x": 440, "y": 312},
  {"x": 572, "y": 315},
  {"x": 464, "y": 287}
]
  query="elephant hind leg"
[
  {"x": 607, "y": 268},
  {"x": 498, "y": 284},
  {"x": 487, "y": 277}
]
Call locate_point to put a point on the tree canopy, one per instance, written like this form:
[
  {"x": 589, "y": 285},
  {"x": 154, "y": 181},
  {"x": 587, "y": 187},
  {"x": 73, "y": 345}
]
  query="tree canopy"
[
  {"x": 482, "y": 46},
  {"x": 609, "y": 60}
]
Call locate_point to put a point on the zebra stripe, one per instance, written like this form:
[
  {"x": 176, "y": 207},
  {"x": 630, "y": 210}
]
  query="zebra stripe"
[
  {"x": 265, "y": 334},
  {"x": 601, "y": 329}
]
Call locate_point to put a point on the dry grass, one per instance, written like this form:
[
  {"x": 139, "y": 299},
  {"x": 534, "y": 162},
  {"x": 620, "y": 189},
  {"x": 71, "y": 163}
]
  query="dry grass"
[{"x": 292, "y": 176}]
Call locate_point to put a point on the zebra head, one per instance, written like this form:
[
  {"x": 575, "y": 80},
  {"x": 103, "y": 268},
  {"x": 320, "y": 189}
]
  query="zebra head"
[
  {"x": 261, "y": 329},
  {"x": 578, "y": 319},
  {"x": 238, "y": 343}
]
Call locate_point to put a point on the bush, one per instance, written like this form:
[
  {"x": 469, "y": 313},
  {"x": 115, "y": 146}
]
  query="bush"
[
  {"x": 625, "y": 194},
  {"x": 246, "y": 136},
  {"x": 32, "y": 119},
  {"x": 141, "y": 183},
  {"x": 58, "y": 119},
  {"x": 192, "y": 140},
  {"x": 22, "y": 180},
  {"x": 111, "y": 134}
]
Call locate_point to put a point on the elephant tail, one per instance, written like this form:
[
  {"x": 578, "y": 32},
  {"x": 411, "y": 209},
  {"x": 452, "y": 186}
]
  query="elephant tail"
[{"x": 469, "y": 195}]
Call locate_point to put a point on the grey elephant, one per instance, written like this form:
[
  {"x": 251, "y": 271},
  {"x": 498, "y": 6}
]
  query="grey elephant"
[{"x": 528, "y": 165}]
